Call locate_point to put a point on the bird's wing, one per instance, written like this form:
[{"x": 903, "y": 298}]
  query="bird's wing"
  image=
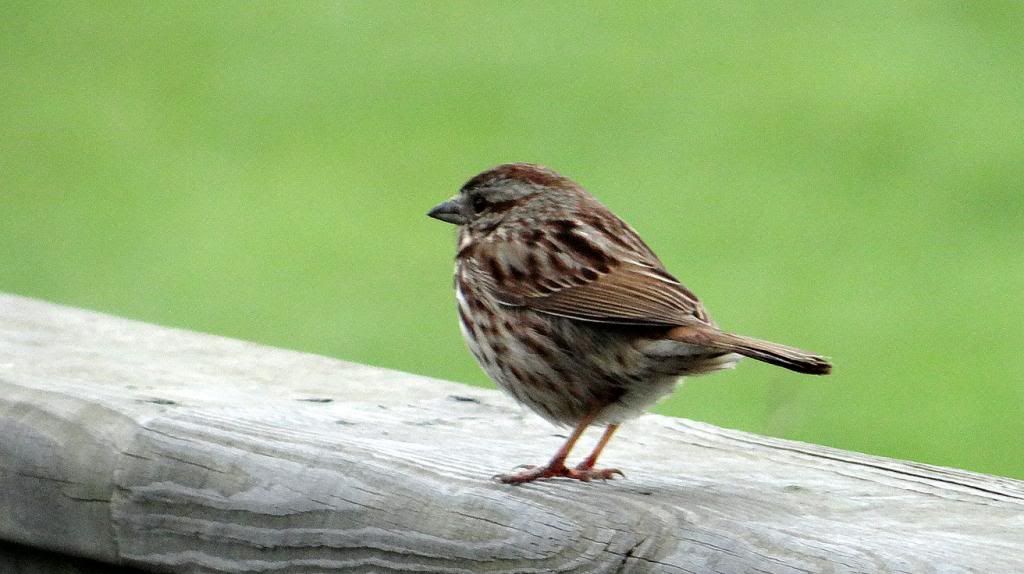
[
  {"x": 628, "y": 294},
  {"x": 587, "y": 274}
]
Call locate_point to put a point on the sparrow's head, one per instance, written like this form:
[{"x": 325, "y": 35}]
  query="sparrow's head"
[{"x": 488, "y": 197}]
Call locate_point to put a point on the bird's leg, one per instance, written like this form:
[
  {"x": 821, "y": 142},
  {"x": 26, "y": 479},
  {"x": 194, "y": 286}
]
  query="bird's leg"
[
  {"x": 587, "y": 466},
  {"x": 556, "y": 466}
]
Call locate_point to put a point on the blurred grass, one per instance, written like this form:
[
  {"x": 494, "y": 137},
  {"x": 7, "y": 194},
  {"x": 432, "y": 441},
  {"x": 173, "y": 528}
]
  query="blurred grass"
[{"x": 844, "y": 178}]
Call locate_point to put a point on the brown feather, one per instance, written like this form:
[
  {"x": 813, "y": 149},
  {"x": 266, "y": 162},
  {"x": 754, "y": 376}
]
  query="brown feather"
[
  {"x": 605, "y": 272},
  {"x": 627, "y": 294},
  {"x": 783, "y": 356}
]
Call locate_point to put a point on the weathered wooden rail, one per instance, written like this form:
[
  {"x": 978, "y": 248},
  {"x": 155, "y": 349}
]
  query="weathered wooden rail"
[{"x": 160, "y": 449}]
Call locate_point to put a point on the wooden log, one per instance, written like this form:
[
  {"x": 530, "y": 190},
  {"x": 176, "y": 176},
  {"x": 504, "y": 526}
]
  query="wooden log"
[{"x": 166, "y": 450}]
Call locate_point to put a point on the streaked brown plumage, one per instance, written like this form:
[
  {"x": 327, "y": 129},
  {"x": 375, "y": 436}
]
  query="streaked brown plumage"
[{"x": 567, "y": 309}]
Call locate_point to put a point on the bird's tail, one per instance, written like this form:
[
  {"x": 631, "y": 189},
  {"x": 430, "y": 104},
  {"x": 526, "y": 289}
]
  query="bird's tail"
[{"x": 772, "y": 353}]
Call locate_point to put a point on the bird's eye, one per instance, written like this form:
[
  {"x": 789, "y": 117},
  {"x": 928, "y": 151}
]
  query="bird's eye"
[{"x": 479, "y": 203}]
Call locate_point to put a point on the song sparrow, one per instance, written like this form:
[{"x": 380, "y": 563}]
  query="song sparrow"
[{"x": 567, "y": 309}]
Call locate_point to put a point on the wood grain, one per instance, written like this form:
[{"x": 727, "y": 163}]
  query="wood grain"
[{"x": 167, "y": 450}]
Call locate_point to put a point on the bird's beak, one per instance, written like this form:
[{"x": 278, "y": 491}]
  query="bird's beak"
[{"x": 449, "y": 212}]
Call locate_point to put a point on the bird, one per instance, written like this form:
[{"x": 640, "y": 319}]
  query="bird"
[{"x": 569, "y": 311}]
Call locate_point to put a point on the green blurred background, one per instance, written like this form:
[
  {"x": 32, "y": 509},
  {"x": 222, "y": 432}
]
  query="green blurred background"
[{"x": 847, "y": 179}]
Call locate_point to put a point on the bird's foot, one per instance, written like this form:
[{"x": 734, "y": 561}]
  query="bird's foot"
[
  {"x": 587, "y": 474},
  {"x": 581, "y": 472}
]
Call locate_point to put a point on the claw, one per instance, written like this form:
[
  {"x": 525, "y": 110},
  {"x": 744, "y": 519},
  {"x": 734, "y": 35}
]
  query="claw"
[
  {"x": 588, "y": 474},
  {"x": 608, "y": 473},
  {"x": 530, "y": 474},
  {"x": 533, "y": 472},
  {"x": 602, "y": 473}
]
